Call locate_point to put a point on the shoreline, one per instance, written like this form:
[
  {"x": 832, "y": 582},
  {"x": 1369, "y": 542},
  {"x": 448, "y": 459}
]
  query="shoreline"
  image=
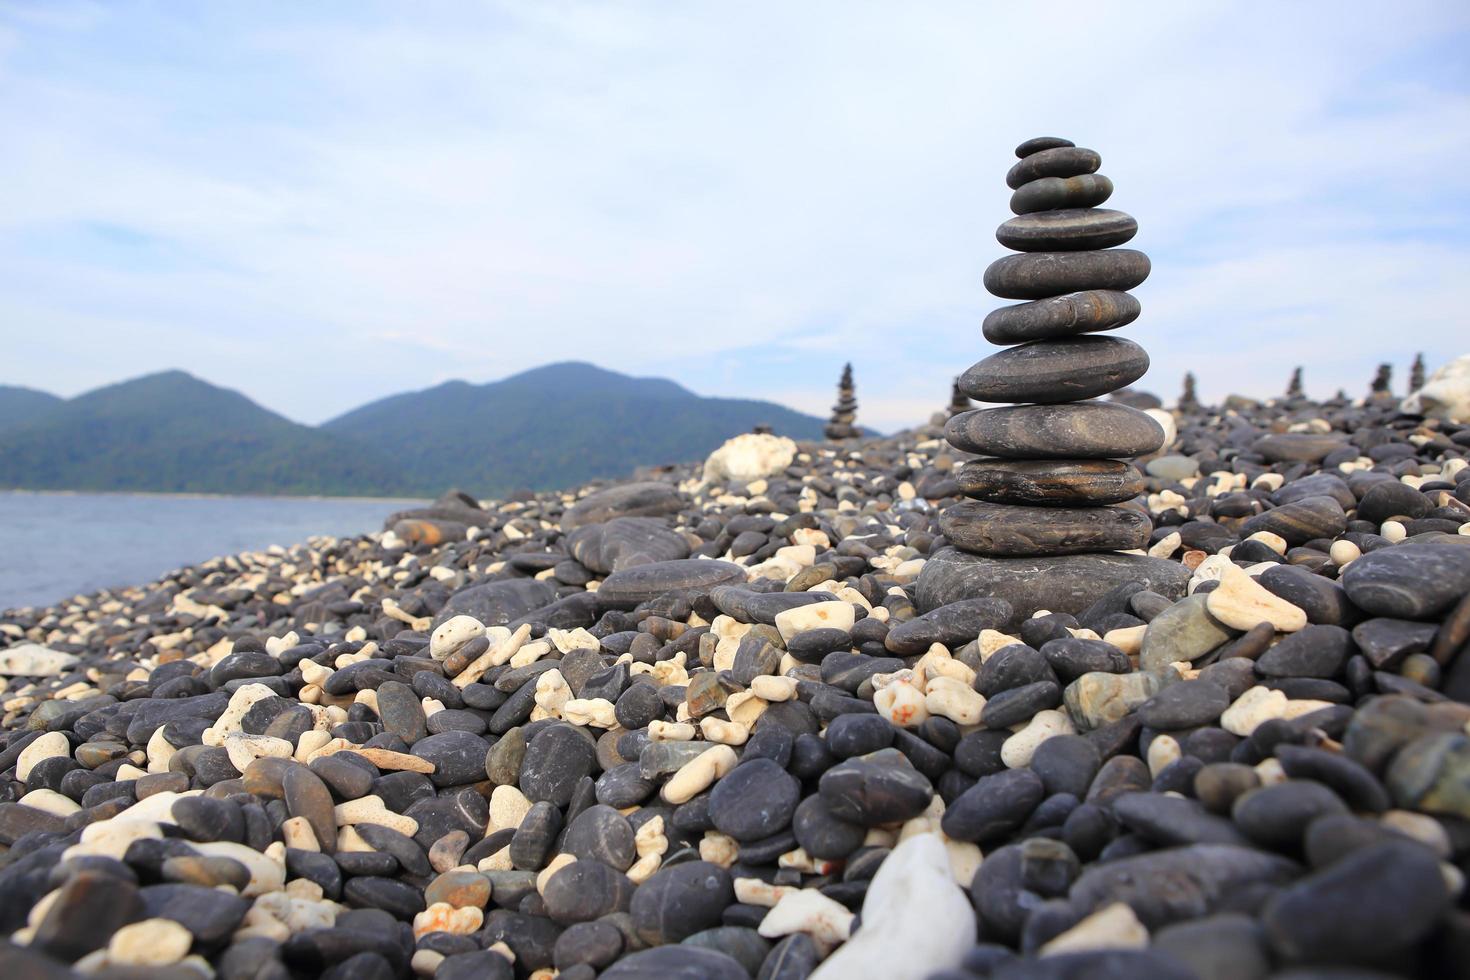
[{"x": 200, "y": 495}]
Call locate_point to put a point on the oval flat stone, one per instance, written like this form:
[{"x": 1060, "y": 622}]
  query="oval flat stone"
[
  {"x": 1037, "y": 275},
  {"x": 1038, "y": 143},
  {"x": 1087, "y": 430},
  {"x": 1008, "y": 531},
  {"x": 1301, "y": 520},
  {"x": 1056, "y": 193},
  {"x": 631, "y": 586},
  {"x": 1061, "y": 316},
  {"x": 1051, "y": 371},
  {"x": 1058, "y": 161},
  {"x": 1297, "y": 447},
  {"x": 1066, "y": 583},
  {"x": 1409, "y": 581},
  {"x": 1067, "y": 230},
  {"x": 1042, "y": 483}
]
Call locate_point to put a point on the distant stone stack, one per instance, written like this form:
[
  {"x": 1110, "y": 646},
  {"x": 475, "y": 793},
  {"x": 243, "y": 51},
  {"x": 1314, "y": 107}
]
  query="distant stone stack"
[
  {"x": 1294, "y": 389},
  {"x": 844, "y": 413},
  {"x": 1054, "y": 463},
  {"x": 1416, "y": 373},
  {"x": 1382, "y": 380},
  {"x": 958, "y": 400}
]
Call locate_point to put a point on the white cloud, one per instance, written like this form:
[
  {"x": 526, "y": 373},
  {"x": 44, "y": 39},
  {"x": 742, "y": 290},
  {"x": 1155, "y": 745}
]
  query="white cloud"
[{"x": 388, "y": 197}]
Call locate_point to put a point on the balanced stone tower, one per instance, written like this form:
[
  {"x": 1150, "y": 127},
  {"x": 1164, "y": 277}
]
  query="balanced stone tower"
[
  {"x": 1044, "y": 525},
  {"x": 844, "y": 413}
]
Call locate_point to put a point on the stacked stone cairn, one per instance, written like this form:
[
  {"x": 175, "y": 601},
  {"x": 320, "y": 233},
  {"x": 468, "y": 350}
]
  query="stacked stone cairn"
[
  {"x": 844, "y": 413},
  {"x": 1294, "y": 389},
  {"x": 1382, "y": 380},
  {"x": 1189, "y": 397},
  {"x": 1416, "y": 373},
  {"x": 1053, "y": 467}
]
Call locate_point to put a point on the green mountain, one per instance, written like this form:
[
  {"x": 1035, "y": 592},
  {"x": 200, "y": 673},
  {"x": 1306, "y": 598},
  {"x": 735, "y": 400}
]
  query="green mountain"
[
  {"x": 173, "y": 432},
  {"x": 554, "y": 426},
  {"x": 19, "y": 406}
]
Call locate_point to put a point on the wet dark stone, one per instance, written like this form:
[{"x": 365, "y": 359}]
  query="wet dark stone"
[
  {"x": 678, "y": 962},
  {"x": 953, "y": 625},
  {"x": 601, "y": 833},
  {"x": 1018, "y": 705},
  {"x": 624, "y": 542},
  {"x": 586, "y": 890},
  {"x": 1056, "y": 370},
  {"x": 1170, "y": 821},
  {"x": 1055, "y": 161},
  {"x": 678, "y": 901},
  {"x": 557, "y": 758},
  {"x": 1104, "y": 964},
  {"x": 1386, "y": 642},
  {"x": 748, "y": 606},
  {"x": 1038, "y": 275},
  {"x": 821, "y": 834},
  {"x": 994, "y": 806},
  {"x": 1323, "y": 600},
  {"x": 1277, "y": 816},
  {"x": 1010, "y": 531},
  {"x": 640, "y": 583},
  {"x": 870, "y": 792},
  {"x": 1179, "y": 883},
  {"x": 534, "y": 839},
  {"x": 1185, "y": 706},
  {"x": 1069, "y": 583},
  {"x": 1379, "y": 899},
  {"x": 497, "y": 603},
  {"x": 1300, "y": 521},
  {"x": 1055, "y": 193},
  {"x": 401, "y": 712},
  {"x": 1067, "y": 230},
  {"x": 398, "y": 898},
  {"x": 206, "y": 819},
  {"x": 1066, "y": 764},
  {"x": 1297, "y": 447},
  {"x": 648, "y": 499},
  {"x": 755, "y": 800},
  {"x": 1351, "y": 781},
  {"x": 458, "y": 757},
  {"x": 1055, "y": 317},
  {"x": 481, "y": 964},
  {"x": 1409, "y": 581},
  {"x": 91, "y": 906},
  {"x": 1081, "y": 430},
  {"x": 1317, "y": 651},
  {"x": 1050, "y": 482},
  {"x": 308, "y": 797},
  {"x": 1071, "y": 657}
]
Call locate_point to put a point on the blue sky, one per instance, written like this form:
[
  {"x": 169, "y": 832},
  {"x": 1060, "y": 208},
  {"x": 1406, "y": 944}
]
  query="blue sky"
[{"x": 323, "y": 203}]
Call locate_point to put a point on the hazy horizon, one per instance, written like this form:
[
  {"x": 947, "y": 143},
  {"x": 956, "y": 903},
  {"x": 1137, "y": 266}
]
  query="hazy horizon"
[{"x": 318, "y": 205}]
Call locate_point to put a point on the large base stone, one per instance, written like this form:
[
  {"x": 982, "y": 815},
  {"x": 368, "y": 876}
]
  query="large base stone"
[{"x": 1066, "y": 584}]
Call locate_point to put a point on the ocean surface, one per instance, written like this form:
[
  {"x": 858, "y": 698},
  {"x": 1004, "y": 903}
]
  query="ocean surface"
[{"x": 55, "y": 545}]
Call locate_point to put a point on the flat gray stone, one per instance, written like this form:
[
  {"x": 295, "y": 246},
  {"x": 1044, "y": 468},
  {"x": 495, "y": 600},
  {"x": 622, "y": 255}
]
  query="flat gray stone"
[
  {"x": 1056, "y": 370},
  {"x": 1069, "y": 583},
  {"x": 1081, "y": 430},
  {"x": 1009, "y": 531},
  {"x": 1037, "y": 275}
]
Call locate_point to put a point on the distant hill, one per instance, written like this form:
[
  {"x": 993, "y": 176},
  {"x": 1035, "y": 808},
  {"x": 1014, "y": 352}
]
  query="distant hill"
[
  {"x": 173, "y": 432},
  {"x": 555, "y": 426},
  {"x": 21, "y": 405}
]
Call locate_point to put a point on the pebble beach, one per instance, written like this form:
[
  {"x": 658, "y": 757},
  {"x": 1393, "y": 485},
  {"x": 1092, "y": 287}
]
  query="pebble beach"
[
  {"x": 1077, "y": 686},
  {"x": 729, "y": 720}
]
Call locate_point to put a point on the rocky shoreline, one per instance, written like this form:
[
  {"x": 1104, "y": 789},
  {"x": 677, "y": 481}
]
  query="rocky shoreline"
[{"x": 759, "y": 719}]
